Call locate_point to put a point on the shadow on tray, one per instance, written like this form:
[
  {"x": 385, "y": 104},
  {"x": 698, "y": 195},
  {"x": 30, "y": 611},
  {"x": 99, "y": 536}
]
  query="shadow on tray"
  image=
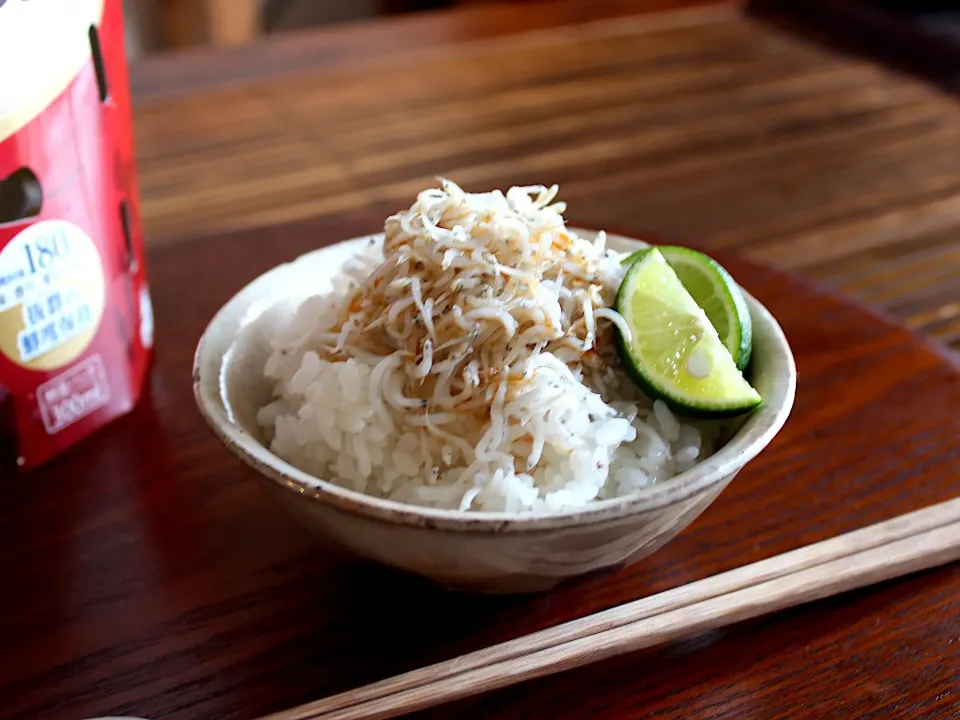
[{"x": 917, "y": 36}]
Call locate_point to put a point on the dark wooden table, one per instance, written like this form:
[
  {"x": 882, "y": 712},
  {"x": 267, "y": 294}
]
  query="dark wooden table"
[
  {"x": 146, "y": 575},
  {"x": 699, "y": 123}
]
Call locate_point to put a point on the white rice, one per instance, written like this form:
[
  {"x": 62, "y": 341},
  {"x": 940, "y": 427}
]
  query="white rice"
[{"x": 467, "y": 365}]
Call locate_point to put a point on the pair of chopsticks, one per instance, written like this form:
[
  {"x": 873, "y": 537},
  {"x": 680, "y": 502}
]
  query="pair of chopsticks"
[{"x": 906, "y": 544}]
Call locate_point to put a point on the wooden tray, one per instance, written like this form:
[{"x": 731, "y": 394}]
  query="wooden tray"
[{"x": 145, "y": 574}]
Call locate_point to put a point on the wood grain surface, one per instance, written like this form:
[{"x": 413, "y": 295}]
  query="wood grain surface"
[
  {"x": 145, "y": 574},
  {"x": 701, "y": 123}
]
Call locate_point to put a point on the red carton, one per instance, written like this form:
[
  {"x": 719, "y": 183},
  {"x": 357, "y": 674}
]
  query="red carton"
[{"x": 76, "y": 324}]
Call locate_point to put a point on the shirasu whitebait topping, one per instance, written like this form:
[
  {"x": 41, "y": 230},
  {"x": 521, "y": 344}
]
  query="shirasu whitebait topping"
[{"x": 468, "y": 366}]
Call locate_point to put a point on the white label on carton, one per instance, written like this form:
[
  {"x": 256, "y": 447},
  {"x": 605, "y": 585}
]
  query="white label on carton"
[
  {"x": 43, "y": 45},
  {"x": 73, "y": 395},
  {"x": 146, "y": 319},
  {"x": 52, "y": 294}
]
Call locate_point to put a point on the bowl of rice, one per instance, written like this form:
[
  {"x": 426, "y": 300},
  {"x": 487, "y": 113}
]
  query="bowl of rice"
[{"x": 444, "y": 397}]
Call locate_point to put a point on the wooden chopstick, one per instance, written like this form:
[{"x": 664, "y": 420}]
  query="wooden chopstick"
[{"x": 905, "y": 544}]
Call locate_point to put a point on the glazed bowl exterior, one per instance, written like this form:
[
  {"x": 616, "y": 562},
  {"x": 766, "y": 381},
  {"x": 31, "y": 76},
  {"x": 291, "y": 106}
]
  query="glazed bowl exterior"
[{"x": 488, "y": 552}]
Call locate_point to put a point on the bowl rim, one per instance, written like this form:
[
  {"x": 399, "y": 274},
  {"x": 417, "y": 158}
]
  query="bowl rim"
[{"x": 768, "y": 419}]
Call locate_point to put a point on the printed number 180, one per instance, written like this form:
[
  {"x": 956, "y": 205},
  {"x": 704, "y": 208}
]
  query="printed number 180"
[{"x": 45, "y": 250}]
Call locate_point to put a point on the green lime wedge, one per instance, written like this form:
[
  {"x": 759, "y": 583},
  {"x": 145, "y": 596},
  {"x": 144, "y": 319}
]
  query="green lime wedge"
[
  {"x": 717, "y": 293},
  {"x": 674, "y": 352}
]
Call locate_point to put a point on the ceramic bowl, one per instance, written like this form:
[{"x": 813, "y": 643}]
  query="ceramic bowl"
[{"x": 489, "y": 552}]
